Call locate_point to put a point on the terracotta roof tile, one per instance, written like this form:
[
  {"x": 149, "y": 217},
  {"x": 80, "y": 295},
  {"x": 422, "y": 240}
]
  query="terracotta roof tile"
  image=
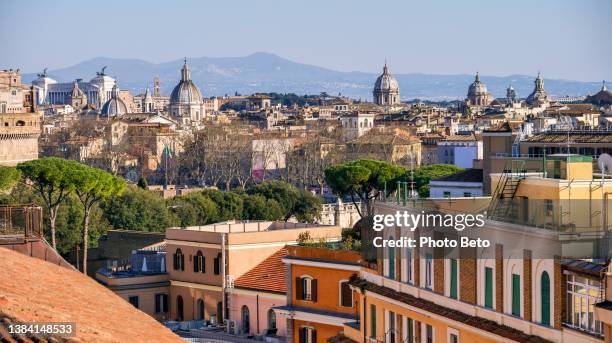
[
  {"x": 269, "y": 275},
  {"x": 33, "y": 290}
]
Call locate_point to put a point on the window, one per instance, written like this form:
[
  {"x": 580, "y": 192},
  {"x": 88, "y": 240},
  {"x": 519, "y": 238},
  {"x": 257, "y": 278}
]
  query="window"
[
  {"x": 428, "y": 271},
  {"x": 245, "y": 320},
  {"x": 217, "y": 263},
  {"x": 179, "y": 260},
  {"x": 372, "y": 320},
  {"x": 134, "y": 301},
  {"x": 346, "y": 294},
  {"x": 410, "y": 330},
  {"x": 219, "y": 315},
  {"x": 453, "y": 278},
  {"x": 488, "y": 303},
  {"x": 582, "y": 295},
  {"x": 199, "y": 263},
  {"x": 271, "y": 320},
  {"x": 179, "y": 308},
  {"x": 391, "y": 261},
  {"x": 307, "y": 335},
  {"x": 447, "y": 194},
  {"x": 429, "y": 334},
  {"x": 453, "y": 337},
  {"x": 161, "y": 303},
  {"x": 545, "y": 298},
  {"x": 200, "y": 315},
  {"x": 467, "y": 194},
  {"x": 306, "y": 288},
  {"x": 391, "y": 331},
  {"x": 516, "y": 295}
]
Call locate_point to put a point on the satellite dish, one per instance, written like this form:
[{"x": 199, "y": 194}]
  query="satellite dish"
[{"x": 605, "y": 163}]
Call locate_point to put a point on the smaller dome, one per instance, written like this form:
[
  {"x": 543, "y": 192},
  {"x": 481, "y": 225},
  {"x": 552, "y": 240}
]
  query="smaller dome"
[{"x": 114, "y": 107}]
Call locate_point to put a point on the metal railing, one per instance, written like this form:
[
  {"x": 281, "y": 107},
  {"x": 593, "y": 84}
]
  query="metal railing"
[{"x": 21, "y": 222}]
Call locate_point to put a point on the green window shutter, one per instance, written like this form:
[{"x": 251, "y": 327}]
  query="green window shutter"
[
  {"x": 488, "y": 287},
  {"x": 516, "y": 295},
  {"x": 545, "y": 296},
  {"x": 373, "y": 321},
  {"x": 453, "y": 279}
]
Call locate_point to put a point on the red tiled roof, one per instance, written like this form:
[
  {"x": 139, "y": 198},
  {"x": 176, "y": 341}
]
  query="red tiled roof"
[
  {"x": 269, "y": 275},
  {"x": 33, "y": 290}
]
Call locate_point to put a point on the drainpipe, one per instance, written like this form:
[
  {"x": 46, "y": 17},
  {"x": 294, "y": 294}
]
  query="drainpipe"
[{"x": 257, "y": 309}]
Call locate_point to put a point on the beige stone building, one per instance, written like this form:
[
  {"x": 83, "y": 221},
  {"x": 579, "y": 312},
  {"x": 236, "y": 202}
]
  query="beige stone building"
[{"x": 20, "y": 126}]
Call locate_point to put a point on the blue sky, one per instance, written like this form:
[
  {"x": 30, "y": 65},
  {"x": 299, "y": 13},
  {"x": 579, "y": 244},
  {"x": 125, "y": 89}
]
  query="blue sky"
[{"x": 563, "y": 39}]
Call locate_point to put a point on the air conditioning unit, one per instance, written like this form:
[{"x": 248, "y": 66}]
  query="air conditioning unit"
[{"x": 231, "y": 327}]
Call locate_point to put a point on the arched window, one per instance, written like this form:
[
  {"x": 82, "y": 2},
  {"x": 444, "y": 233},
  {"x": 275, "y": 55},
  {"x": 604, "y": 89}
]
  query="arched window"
[
  {"x": 20, "y": 123},
  {"x": 245, "y": 320},
  {"x": 199, "y": 263},
  {"x": 545, "y": 298},
  {"x": 179, "y": 260},
  {"x": 200, "y": 309},
  {"x": 346, "y": 294},
  {"x": 271, "y": 320},
  {"x": 179, "y": 308},
  {"x": 391, "y": 261}
]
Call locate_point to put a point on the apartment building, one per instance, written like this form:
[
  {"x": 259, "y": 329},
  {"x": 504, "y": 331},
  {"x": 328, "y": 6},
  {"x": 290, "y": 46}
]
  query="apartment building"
[
  {"x": 538, "y": 280},
  {"x": 205, "y": 262},
  {"x": 320, "y": 300}
]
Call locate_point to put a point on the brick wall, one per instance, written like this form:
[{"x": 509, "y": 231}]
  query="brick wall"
[
  {"x": 559, "y": 284},
  {"x": 467, "y": 272},
  {"x": 438, "y": 266},
  {"x": 527, "y": 285},
  {"x": 499, "y": 278}
]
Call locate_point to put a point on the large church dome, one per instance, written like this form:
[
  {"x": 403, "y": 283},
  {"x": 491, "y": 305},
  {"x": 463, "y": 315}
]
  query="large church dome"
[
  {"x": 477, "y": 87},
  {"x": 186, "y": 92},
  {"x": 386, "y": 82},
  {"x": 386, "y": 89}
]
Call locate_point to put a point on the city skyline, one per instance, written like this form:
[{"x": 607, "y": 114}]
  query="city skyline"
[{"x": 447, "y": 43}]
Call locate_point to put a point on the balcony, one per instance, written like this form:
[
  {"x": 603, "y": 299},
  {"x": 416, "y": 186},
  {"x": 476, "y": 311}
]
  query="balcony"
[{"x": 20, "y": 223}]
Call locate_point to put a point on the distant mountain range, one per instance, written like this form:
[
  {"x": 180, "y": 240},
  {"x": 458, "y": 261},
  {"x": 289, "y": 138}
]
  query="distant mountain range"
[{"x": 264, "y": 72}]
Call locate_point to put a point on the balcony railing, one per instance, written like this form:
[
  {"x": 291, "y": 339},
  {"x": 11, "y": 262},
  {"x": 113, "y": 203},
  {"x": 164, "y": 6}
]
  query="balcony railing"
[{"x": 19, "y": 222}]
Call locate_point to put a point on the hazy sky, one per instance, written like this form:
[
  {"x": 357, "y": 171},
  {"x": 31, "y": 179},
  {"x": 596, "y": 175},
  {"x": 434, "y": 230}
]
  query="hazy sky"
[{"x": 564, "y": 39}]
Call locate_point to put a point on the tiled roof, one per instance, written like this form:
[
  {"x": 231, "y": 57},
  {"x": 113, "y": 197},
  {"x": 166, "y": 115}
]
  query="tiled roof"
[
  {"x": 431, "y": 307},
  {"x": 269, "y": 275},
  {"x": 33, "y": 290},
  {"x": 574, "y": 136}
]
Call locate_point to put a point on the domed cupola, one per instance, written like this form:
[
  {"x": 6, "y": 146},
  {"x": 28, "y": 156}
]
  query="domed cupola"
[
  {"x": 478, "y": 94},
  {"x": 539, "y": 96},
  {"x": 186, "y": 92},
  {"x": 186, "y": 103},
  {"x": 114, "y": 107},
  {"x": 386, "y": 89}
]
